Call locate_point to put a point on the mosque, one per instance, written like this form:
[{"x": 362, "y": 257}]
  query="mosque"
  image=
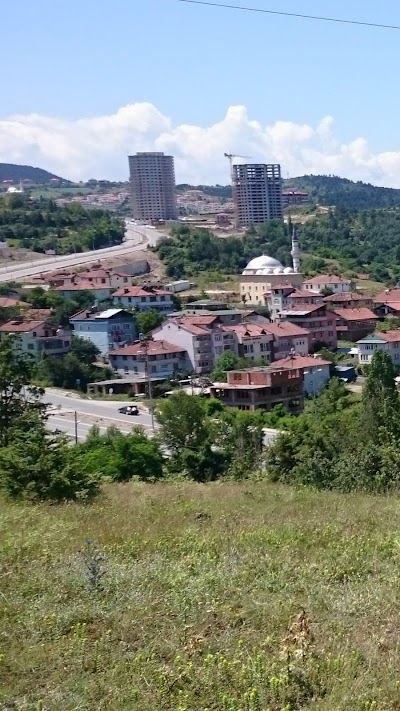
[{"x": 263, "y": 273}]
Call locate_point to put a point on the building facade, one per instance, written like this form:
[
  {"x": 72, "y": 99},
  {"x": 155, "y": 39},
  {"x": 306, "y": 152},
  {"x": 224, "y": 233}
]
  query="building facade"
[
  {"x": 143, "y": 298},
  {"x": 317, "y": 320},
  {"x": 334, "y": 283},
  {"x": 152, "y": 181},
  {"x": 262, "y": 388},
  {"x": 106, "y": 330},
  {"x": 37, "y": 338},
  {"x": 316, "y": 372},
  {"x": 389, "y": 342},
  {"x": 353, "y": 324},
  {"x": 257, "y": 193},
  {"x": 157, "y": 360}
]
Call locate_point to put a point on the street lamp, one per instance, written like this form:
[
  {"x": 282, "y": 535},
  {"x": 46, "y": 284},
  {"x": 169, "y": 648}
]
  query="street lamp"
[{"x": 145, "y": 344}]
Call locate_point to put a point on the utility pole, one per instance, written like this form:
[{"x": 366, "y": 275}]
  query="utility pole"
[{"x": 145, "y": 343}]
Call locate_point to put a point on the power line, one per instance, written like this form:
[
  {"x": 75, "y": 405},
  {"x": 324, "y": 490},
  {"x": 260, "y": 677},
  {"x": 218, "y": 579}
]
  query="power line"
[{"x": 292, "y": 14}]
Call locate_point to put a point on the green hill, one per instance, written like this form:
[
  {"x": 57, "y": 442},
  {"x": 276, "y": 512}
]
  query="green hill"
[
  {"x": 341, "y": 192},
  {"x": 16, "y": 173}
]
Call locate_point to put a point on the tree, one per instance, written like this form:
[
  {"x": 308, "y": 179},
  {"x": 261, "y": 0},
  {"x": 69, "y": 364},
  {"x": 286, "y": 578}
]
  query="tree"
[
  {"x": 182, "y": 422},
  {"x": 148, "y": 320},
  {"x": 380, "y": 399},
  {"x": 17, "y": 399},
  {"x": 86, "y": 351},
  {"x": 226, "y": 361},
  {"x": 42, "y": 466},
  {"x": 120, "y": 457}
]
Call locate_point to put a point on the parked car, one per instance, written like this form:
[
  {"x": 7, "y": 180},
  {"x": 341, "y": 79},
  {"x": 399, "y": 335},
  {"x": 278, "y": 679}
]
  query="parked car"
[{"x": 129, "y": 410}]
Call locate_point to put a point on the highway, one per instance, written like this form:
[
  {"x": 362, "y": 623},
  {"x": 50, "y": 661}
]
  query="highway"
[
  {"x": 136, "y": 238},
  {"x": 62, "y": 408}
]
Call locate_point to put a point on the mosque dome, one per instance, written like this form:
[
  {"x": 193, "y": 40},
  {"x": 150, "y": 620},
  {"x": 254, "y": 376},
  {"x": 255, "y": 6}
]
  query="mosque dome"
[
  {"x": 288, "y": 270},
  {"x": 278, "y": 270},
  {"x": 260, "y": 265}
]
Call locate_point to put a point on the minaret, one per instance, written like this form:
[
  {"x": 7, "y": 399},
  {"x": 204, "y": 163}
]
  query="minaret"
[{"x": 295, "y": 251}]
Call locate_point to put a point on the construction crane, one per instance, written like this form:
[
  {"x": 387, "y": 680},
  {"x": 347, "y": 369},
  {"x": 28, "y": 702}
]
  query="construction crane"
[{"x": 230, "y": 157}]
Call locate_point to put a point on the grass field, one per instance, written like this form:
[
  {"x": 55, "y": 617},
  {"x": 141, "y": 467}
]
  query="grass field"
[{"x": 202, "y": 601}]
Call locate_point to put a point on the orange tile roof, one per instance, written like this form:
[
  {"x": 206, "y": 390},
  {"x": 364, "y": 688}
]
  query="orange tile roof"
[
  {"x": 297, "y": 361},
  {"x": 6, "y": 302},
  {"x": 327, "y": 279},
  {"x": 346, "y": 296},
  {"x": 140, "y": 291},
  {"x": 362, "y": 314},
  {"x": 153, "y": 348},
  {"x": 21, "y": 326},
  {"x": 387, "y": 296}
]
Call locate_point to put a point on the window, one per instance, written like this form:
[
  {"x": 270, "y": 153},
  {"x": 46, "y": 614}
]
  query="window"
[
  {"x": 153, "y": 369},
  {"x": 162, "y": 298},
  {"x": 218, "y": 338},
  {"x": 34, "y": 334},
  {"x": 135, "y": 370},
  {"x": 31, "y": 346},
  {"x": 124, "y": 357}
]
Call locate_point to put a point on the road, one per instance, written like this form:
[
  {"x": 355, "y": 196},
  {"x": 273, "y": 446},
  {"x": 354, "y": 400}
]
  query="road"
[
  {"x": 136, "y": 238},
  {"x": 62, "y": 408}
]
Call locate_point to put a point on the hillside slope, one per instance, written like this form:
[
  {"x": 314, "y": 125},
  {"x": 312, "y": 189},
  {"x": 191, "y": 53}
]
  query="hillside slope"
[
  {"x": 12, "y": 171},
  {"x": 341, "y": 192}
]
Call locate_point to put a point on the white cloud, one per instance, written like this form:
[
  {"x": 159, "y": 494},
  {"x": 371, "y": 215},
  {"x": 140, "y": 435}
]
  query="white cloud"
[{"x": 98, "y": 147}]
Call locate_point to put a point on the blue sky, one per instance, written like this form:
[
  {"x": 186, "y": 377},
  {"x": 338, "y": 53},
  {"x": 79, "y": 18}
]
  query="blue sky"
[{"x": 83, "y": 60}]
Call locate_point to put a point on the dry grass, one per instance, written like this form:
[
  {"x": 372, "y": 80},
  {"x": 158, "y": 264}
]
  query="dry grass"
[{"x": 200, "y": 610}]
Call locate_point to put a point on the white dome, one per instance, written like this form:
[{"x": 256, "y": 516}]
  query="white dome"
[
  {"x": 288, "y": 270},
  {"x": 263, "y": 262},
  {"x": 278, "y": 270}
]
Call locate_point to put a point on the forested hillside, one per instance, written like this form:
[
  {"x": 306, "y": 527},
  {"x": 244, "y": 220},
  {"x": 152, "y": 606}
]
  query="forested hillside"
[
  {"x": 331, "y": 190},
  {"x": 40, "y": 225},
  {"x": 361, "y": 240},
  {"x": 11, "y": 171}
]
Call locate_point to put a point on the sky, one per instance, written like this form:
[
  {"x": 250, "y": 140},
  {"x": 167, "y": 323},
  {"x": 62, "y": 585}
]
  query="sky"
[{"x": 86, "y": 83}]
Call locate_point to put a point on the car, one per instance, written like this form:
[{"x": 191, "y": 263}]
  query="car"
[{"x": 129, "y": 410}]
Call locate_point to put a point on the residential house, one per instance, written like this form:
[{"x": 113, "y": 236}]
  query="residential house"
[
  {"x": 316, "y": 371},
  {"x": 289, "y": 339},
  {"x": 143, "y": 298},
  {"x": 105, "y": 329},
  {"x": 98, "y": 276},
  {"x": 387, "y": 303},
  {"x": 157, "y": 360},
  {"x": 353, "y": 324},
  {"x": 336, "y": 284},
  {"x": 262, "y": 388},
  {"x": 389, "y": 342},
  {"x": 348, "y": 300},
  {"x": 200, "y": 336},
  {"x": 283, "y": 296},
  {"x": 98, "y": 292},
  {"x": 317, "y": 320},
  {"x": 10, "y": 303},
  {"x": 37, "y": 337},
  {"x": 252, "y": 341}
]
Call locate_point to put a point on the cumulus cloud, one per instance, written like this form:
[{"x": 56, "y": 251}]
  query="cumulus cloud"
[{"x": 98, "y": 147}]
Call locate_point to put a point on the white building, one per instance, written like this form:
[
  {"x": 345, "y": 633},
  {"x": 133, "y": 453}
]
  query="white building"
[
  {"x": 162, "y": 359},
  {"x": 389, "y": 342},
  {"x": 336, "y": 284},
  {"x": 37, "y": 337},
  {"x": 143, "y": 298},
  {"x": 316, "y": 372}
]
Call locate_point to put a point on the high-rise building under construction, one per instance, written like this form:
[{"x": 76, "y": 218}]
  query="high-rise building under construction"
[{"x": 257, "y": 193}]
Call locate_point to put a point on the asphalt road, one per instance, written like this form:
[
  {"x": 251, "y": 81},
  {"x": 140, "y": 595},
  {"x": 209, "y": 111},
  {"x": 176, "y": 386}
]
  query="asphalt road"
[
  {"x": 136, "y": 238},
  {"x": 62, "y": 408}
]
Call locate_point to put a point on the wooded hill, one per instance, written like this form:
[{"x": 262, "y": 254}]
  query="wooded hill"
[{"x": 16, "y": 173}]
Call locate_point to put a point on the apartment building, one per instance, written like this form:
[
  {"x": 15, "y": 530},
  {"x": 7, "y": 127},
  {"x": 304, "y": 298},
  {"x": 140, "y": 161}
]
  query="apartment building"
[
  {"x": 317, "y": 320},
  {"x": 316, "y": 372},
  {"x": 389, "y": 342},
  {"x": 105, "y": 329},
  {"x": 37, "y": 338},
  {"x": 349, "y": 300},
  {"x": 143, "y": 298},
  {"x": 262, "y": 388},
  {"x": 283, "y": 296},
  {"x": 163, "y": 359},
  {"x": 257, "y": 193},
  {"x": 152, "y": 181}
]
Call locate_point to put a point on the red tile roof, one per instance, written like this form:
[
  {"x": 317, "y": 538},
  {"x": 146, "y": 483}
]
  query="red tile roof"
[
  {"x": 140, "y": 291},
  {"x": 362, "y": 314},
  {"x": 298, "y": 361},
  {"x": 82, "y": 286},
  {"x": 391, "y": 336},
  {"x": 6, "y": 302},
  {"x": 153, "y": 348},
  {"x": 346, "y": 296},
  {"x": 248, "y": 330},
  {"x": 387, "y": 296},
  {"x": 303, "y": 293},
  {"x": 302, "y": 308},
  {"x": 286, "y": 329},
  {"x": 327, "y": 279},
  {"x": 21, "y": 326}
]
